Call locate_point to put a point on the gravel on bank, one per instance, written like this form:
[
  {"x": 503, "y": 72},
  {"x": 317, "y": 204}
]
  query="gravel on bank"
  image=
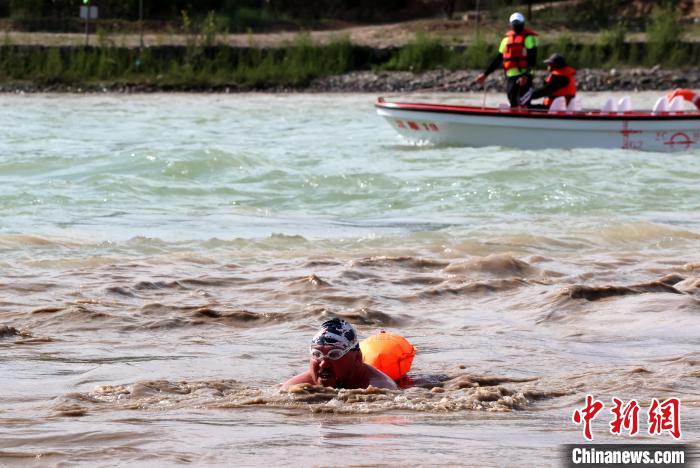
[{"x": 634, "y": 79}]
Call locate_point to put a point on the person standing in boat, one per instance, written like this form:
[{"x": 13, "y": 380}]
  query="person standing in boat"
[
  {"x": 561, "y": 81},
  {"x": 518, "y": 55}
]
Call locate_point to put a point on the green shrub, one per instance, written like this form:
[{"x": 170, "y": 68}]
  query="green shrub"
[
  {"x": 211, "y": 27},
  {"x": 20, "y": 9},
  {"x": 612, "y": 43},
  {"x": 663, "y": 36},
  {"x": 424, "y": 53},
  {"x": 588, "y": 57},
  {"x": 635, "y": 55},
  {"x": 479, "y": 54},
  {"x": 565, "y": 46},
  {"x": 53, "y": 67}
]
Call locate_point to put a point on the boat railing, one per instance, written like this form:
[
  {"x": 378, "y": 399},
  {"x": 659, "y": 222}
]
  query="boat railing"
[{"x": 610, "y": 108}]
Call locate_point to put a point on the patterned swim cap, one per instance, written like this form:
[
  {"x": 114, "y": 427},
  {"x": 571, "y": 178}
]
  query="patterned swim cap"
[{"x": 337, "y": 333}]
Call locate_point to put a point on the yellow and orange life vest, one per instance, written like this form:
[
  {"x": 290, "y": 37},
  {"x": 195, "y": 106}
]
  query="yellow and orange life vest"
[{"x": 515, "y": 53}]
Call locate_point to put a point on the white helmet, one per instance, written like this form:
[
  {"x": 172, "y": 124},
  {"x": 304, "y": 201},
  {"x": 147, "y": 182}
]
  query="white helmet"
[{"x": 516, "y": 18}]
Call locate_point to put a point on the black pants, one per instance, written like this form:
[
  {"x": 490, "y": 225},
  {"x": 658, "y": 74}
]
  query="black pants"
[{"x": 518, "y": 95}]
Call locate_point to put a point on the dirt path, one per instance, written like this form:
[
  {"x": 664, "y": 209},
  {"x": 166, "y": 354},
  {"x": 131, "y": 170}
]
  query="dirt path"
[
  {"x": 455, "y": 32},
  {"x": 379, "y": 36}
]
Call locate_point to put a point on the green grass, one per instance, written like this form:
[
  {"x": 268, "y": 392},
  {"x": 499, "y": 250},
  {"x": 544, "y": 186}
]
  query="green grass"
[
  {"x": 424, "y": 53},
  {"x": 296, "y": 64}
]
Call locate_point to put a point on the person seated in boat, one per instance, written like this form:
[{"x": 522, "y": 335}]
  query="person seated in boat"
[
  {"x": 517, "y": 53},
  {"x": 336, "y": 361},
  {"x": 561, "y": 81}
]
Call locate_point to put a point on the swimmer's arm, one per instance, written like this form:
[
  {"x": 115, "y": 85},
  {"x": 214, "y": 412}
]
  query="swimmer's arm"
[
  {"x": 304, "y": 377},
  {"x": 379, "y": 379}
]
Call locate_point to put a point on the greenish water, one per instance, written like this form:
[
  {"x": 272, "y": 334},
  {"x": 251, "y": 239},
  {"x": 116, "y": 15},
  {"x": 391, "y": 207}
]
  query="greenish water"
[
  {"x": 196, "y": 168},
  {"x": 166, "y": 259}
]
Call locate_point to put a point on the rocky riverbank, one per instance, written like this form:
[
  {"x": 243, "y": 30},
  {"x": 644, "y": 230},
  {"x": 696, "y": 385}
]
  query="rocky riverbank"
[{"x": 635, "y": 79}]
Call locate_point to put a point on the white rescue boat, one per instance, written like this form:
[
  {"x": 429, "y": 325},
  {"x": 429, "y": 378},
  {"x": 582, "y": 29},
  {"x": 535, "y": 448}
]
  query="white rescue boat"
[{"x": 668, "y": 127}]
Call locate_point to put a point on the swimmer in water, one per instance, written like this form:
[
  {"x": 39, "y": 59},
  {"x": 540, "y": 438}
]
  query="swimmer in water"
[{"x": 336, "y": 361}]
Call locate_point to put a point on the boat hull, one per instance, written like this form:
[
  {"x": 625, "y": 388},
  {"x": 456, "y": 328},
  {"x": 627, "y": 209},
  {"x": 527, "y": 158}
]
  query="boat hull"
[{"x": 469, "y": 126}]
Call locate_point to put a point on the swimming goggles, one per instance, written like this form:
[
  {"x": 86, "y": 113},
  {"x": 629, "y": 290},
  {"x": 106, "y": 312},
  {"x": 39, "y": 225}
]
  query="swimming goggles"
[{"x": 334, "y": 354}]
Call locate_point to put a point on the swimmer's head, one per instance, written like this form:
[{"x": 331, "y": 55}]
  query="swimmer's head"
[
  {"x": 337, "y": 333},
  {"x": 335, "y": 353}
]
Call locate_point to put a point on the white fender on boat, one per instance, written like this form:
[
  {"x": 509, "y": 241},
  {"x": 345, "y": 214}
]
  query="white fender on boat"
[
  {"x": 608, "y": 106},
  {"x": 574, "y": 105},
  {"x": 624, "y": 104},
  {"x": 558, "y": 105},
  {"x": 677, "y": 104},
  {"x": 660, "y": 106}
]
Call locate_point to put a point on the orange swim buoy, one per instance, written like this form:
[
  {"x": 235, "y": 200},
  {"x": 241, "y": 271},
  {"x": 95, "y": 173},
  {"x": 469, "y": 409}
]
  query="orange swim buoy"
[
  {"x": 388, "y": 352},
  {"x": 687, "y": 94}
]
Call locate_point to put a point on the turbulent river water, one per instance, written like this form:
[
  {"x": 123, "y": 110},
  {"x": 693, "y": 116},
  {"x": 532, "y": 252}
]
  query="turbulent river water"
[{"x": 167, "y": 258}]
